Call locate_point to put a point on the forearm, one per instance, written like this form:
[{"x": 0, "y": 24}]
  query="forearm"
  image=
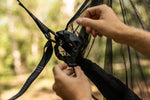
[{"x": 138, "y": 39}]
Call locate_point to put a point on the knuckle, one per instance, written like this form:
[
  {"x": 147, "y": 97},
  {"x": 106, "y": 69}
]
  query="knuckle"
[
  {"x": 104, "y": 5},
  {"x": 54, "y": 87},
  {"x": 88, "y": 9},
  {"x": 54, "y": 68}
]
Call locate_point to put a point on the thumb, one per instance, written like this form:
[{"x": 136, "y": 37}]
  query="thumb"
[
  {"x": 87, "y": 22},
  {"x": 58, "y": 69},
  {"x": 78, "y": 71}
]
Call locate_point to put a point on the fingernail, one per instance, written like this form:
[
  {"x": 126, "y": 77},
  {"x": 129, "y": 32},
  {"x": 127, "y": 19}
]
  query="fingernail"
[
  {"x": 64, "y": 64},
  {"x": 78, "y": 67},
  {"x": 79, "y": 20}
]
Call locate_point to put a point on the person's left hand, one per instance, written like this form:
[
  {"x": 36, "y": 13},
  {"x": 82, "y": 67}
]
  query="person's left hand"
[{"x": 70, "y": 85}]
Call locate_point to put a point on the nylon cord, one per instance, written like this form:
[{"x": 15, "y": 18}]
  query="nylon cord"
[
  {"x": 138, "y": 15},
  {"x": 129, "y": 52}
]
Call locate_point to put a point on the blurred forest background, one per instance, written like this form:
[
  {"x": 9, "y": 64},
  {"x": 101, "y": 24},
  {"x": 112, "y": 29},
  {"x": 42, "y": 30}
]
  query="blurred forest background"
[{"x": 21, "y": 44}]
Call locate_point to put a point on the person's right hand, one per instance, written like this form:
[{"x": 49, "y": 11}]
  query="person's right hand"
[
  {"x": 101, "y": 20},
  {"x": 69, "y": 86}
]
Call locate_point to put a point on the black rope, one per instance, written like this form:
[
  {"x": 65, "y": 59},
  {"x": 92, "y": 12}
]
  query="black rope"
[
  {"x": 138, "y": 15},
  {"x": 76, "y": 29},
  {"x": 123, "y": 10},
  {"x": 141, "y": 71},
  {"x": 128, "y": 48},
  {"x": 124, "y": 61},
  {"x": 77, "y": 14},
  {"x": 90, "y": 48},
  {"x": 108, "y": 51}
]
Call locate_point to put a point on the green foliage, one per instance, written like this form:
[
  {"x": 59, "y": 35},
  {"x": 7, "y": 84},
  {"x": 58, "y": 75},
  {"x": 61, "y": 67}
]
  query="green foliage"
[
  {"x": 55, "y": 10},
  {"x": 5, "y": 51}
]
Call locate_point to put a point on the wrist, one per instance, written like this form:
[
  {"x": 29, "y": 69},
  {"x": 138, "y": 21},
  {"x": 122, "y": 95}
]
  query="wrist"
[
  {"x": 125, "y": 35},
  {"x": 131, "y": 36}
]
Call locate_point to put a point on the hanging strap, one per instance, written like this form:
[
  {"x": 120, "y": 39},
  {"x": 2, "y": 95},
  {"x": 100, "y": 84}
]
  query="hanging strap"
[
  {"x": 83, "y": 7},
  {"x": 78, "y": 13},
  {"x": 46, "y": 57},
  {"x": 111, "y": 87},
  {"x": 45, "y": 30}
]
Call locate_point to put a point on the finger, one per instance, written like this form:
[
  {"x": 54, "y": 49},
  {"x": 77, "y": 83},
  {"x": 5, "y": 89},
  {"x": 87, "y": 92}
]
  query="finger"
[
  {"x": 94, "y": 33},
  {"x": 62, "y": 66},
  {"x": 54, "y": 87},
  {"x": 93, "y": 11},
  {"x": 87, "y": 22},
  {"x": 88, "y": 29},
  {"x": 69, "y": 71},
  {"x": 78, "y": 71},
  {"x": 58, "y": 69}
]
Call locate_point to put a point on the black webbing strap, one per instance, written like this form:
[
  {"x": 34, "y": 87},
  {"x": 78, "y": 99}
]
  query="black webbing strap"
[
  {"x": 77, "y": 14},
  {"x": 111, "y": 87},
  {"x": 46, "y": 57},
  {"x": 83, "y": 7},
  {"x": 45, "y": 30}
]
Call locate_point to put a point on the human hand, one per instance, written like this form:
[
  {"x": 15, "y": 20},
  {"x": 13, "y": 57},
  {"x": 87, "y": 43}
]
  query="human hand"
[
  {"x": 70, "y": 87},
  {"x": 101, "y": 20}
]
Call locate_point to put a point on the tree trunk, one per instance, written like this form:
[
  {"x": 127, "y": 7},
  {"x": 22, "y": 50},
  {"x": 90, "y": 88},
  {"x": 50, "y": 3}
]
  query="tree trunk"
[
  {"x": 68, "y": 7},
  {"x": 15, "y": 52}
]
